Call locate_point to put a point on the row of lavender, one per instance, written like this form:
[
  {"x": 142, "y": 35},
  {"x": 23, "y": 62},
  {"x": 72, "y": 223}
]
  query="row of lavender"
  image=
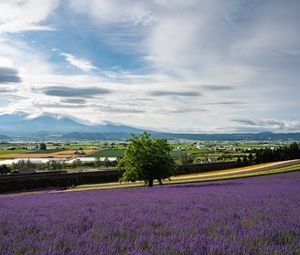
[{"x": 258, "y": 215}]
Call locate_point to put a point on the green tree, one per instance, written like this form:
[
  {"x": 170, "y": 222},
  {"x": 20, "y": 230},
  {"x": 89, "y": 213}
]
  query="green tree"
[
  {"x": 76, "y": 163},
  {"x": 4, "y": 169},
  {"x": 245, "y": 161},
  {"x": 250, "y": 158},
  {"x": 98, "y": 162},
  {"x": 294, "y": 151},
  {"x": 239, "y": 161},
  {"x": 54, "y": 165},
  {"x": 186, "y": 158},
  {"x": 147, "y": 158},
  {"x": 43, "y": 146}
]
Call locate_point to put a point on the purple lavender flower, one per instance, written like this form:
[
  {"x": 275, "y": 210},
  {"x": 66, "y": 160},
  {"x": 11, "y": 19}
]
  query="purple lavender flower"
[{"x": 258, "y": 215}]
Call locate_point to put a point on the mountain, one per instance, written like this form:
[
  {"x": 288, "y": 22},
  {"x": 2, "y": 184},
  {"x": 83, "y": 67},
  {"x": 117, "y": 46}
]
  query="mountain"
[
  {"x": 56, "y": 127},
  {"x": 46, "y": 125},
  {"x": 118, "y": 129},
  {"x": 4, "y": 137},
  {"x": 265, "y": 133},
  {"x": 265, "y": 136},
  {"x": 97, "y": 136}
]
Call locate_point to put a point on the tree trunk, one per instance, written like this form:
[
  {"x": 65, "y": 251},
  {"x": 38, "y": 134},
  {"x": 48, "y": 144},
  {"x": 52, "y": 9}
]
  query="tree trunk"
[
  {"x": 160, "y": 182},
  {"x": 150, "y": 182}
]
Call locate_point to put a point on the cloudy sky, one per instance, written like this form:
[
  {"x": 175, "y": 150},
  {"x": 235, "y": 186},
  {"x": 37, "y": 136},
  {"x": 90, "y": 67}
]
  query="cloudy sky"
[{"x": 172, "y": 65}]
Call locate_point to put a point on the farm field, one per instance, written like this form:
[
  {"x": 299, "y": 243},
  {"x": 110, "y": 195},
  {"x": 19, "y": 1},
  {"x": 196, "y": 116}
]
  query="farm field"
[
  {"x": 108, "y": 153},
  {"x": 200, "y": 151},
  {"x": 217, "y": 151},
  {"x": 258, "y": 215},
  {"x": 43, "y": 154},
  {"x": 9, "y": 152},
  {"x": 46, "y": 151},
  {"x": 83, "y": 146}
]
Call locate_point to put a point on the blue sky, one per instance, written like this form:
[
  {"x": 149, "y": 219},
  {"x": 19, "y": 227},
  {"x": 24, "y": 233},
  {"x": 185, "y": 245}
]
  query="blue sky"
[{"x": 172, "y": 65}]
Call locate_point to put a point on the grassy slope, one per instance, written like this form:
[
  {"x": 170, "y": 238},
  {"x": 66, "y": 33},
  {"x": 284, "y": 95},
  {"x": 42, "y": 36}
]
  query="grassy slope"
[{"x": 204, "y": 178}]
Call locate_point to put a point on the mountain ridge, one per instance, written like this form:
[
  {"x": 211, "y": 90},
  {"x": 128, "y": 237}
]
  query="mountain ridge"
[
  {"x": 59, "y": 127},
  {"x": 20, "y": 124},
  {"x": 200, "y": 137}
]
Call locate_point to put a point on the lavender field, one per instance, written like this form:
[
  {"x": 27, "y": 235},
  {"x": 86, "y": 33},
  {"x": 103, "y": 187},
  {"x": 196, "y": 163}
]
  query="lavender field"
[{"x": 258, "y": 215}]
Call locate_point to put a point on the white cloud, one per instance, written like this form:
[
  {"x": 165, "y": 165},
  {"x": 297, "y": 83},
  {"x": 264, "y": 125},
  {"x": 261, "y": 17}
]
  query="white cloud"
[
  {"x": 25, "y": 15},
  {"x": 238, "y": 43},
  {"x": 114, "y": 11},
  {"x": 188, "y": 44},
  {"x": 81, "y": 63},
  {"x": 270, "y": 124}
]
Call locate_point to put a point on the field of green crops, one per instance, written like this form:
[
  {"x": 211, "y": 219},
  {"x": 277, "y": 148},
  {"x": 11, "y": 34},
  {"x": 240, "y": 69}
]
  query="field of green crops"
[
  {"x": 199, "y": 150},
  {"x": 45, "y": 151},
  {"x": 108, "y": 153},
  {"x": 77, "y": 146},
  {"x": 7, "y": 152}
]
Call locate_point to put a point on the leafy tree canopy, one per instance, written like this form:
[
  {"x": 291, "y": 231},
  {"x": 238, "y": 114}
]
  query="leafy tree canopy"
[
  {"x": 147, "y": 158},
  {"x": 186, "y": 158},
  {"x": 43, "y": 146}
]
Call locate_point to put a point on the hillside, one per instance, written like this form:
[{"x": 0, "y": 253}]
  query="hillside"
[
  {"x": 46, "y": 125},
  {"x": 201, "y": 137},
  {"x": 4, "y": 137},
  {"x": 59, "y": 127}
]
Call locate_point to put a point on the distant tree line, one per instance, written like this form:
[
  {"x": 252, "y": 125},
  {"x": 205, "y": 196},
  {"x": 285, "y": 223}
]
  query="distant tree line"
[
  {"x": 282, "y": 153},
  {"x": 266, "y": 155},
  {"x": 55, "y": 165}
]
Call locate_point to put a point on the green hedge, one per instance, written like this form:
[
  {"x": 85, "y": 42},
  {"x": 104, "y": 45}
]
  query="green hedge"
[
  {"x": 19, "y": 182},
  {"x": 206, "y": 167},
  {"x": 37, "y": 181}
]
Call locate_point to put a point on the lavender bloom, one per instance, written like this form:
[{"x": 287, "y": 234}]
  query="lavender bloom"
[{"x": 258, "y": 215}]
